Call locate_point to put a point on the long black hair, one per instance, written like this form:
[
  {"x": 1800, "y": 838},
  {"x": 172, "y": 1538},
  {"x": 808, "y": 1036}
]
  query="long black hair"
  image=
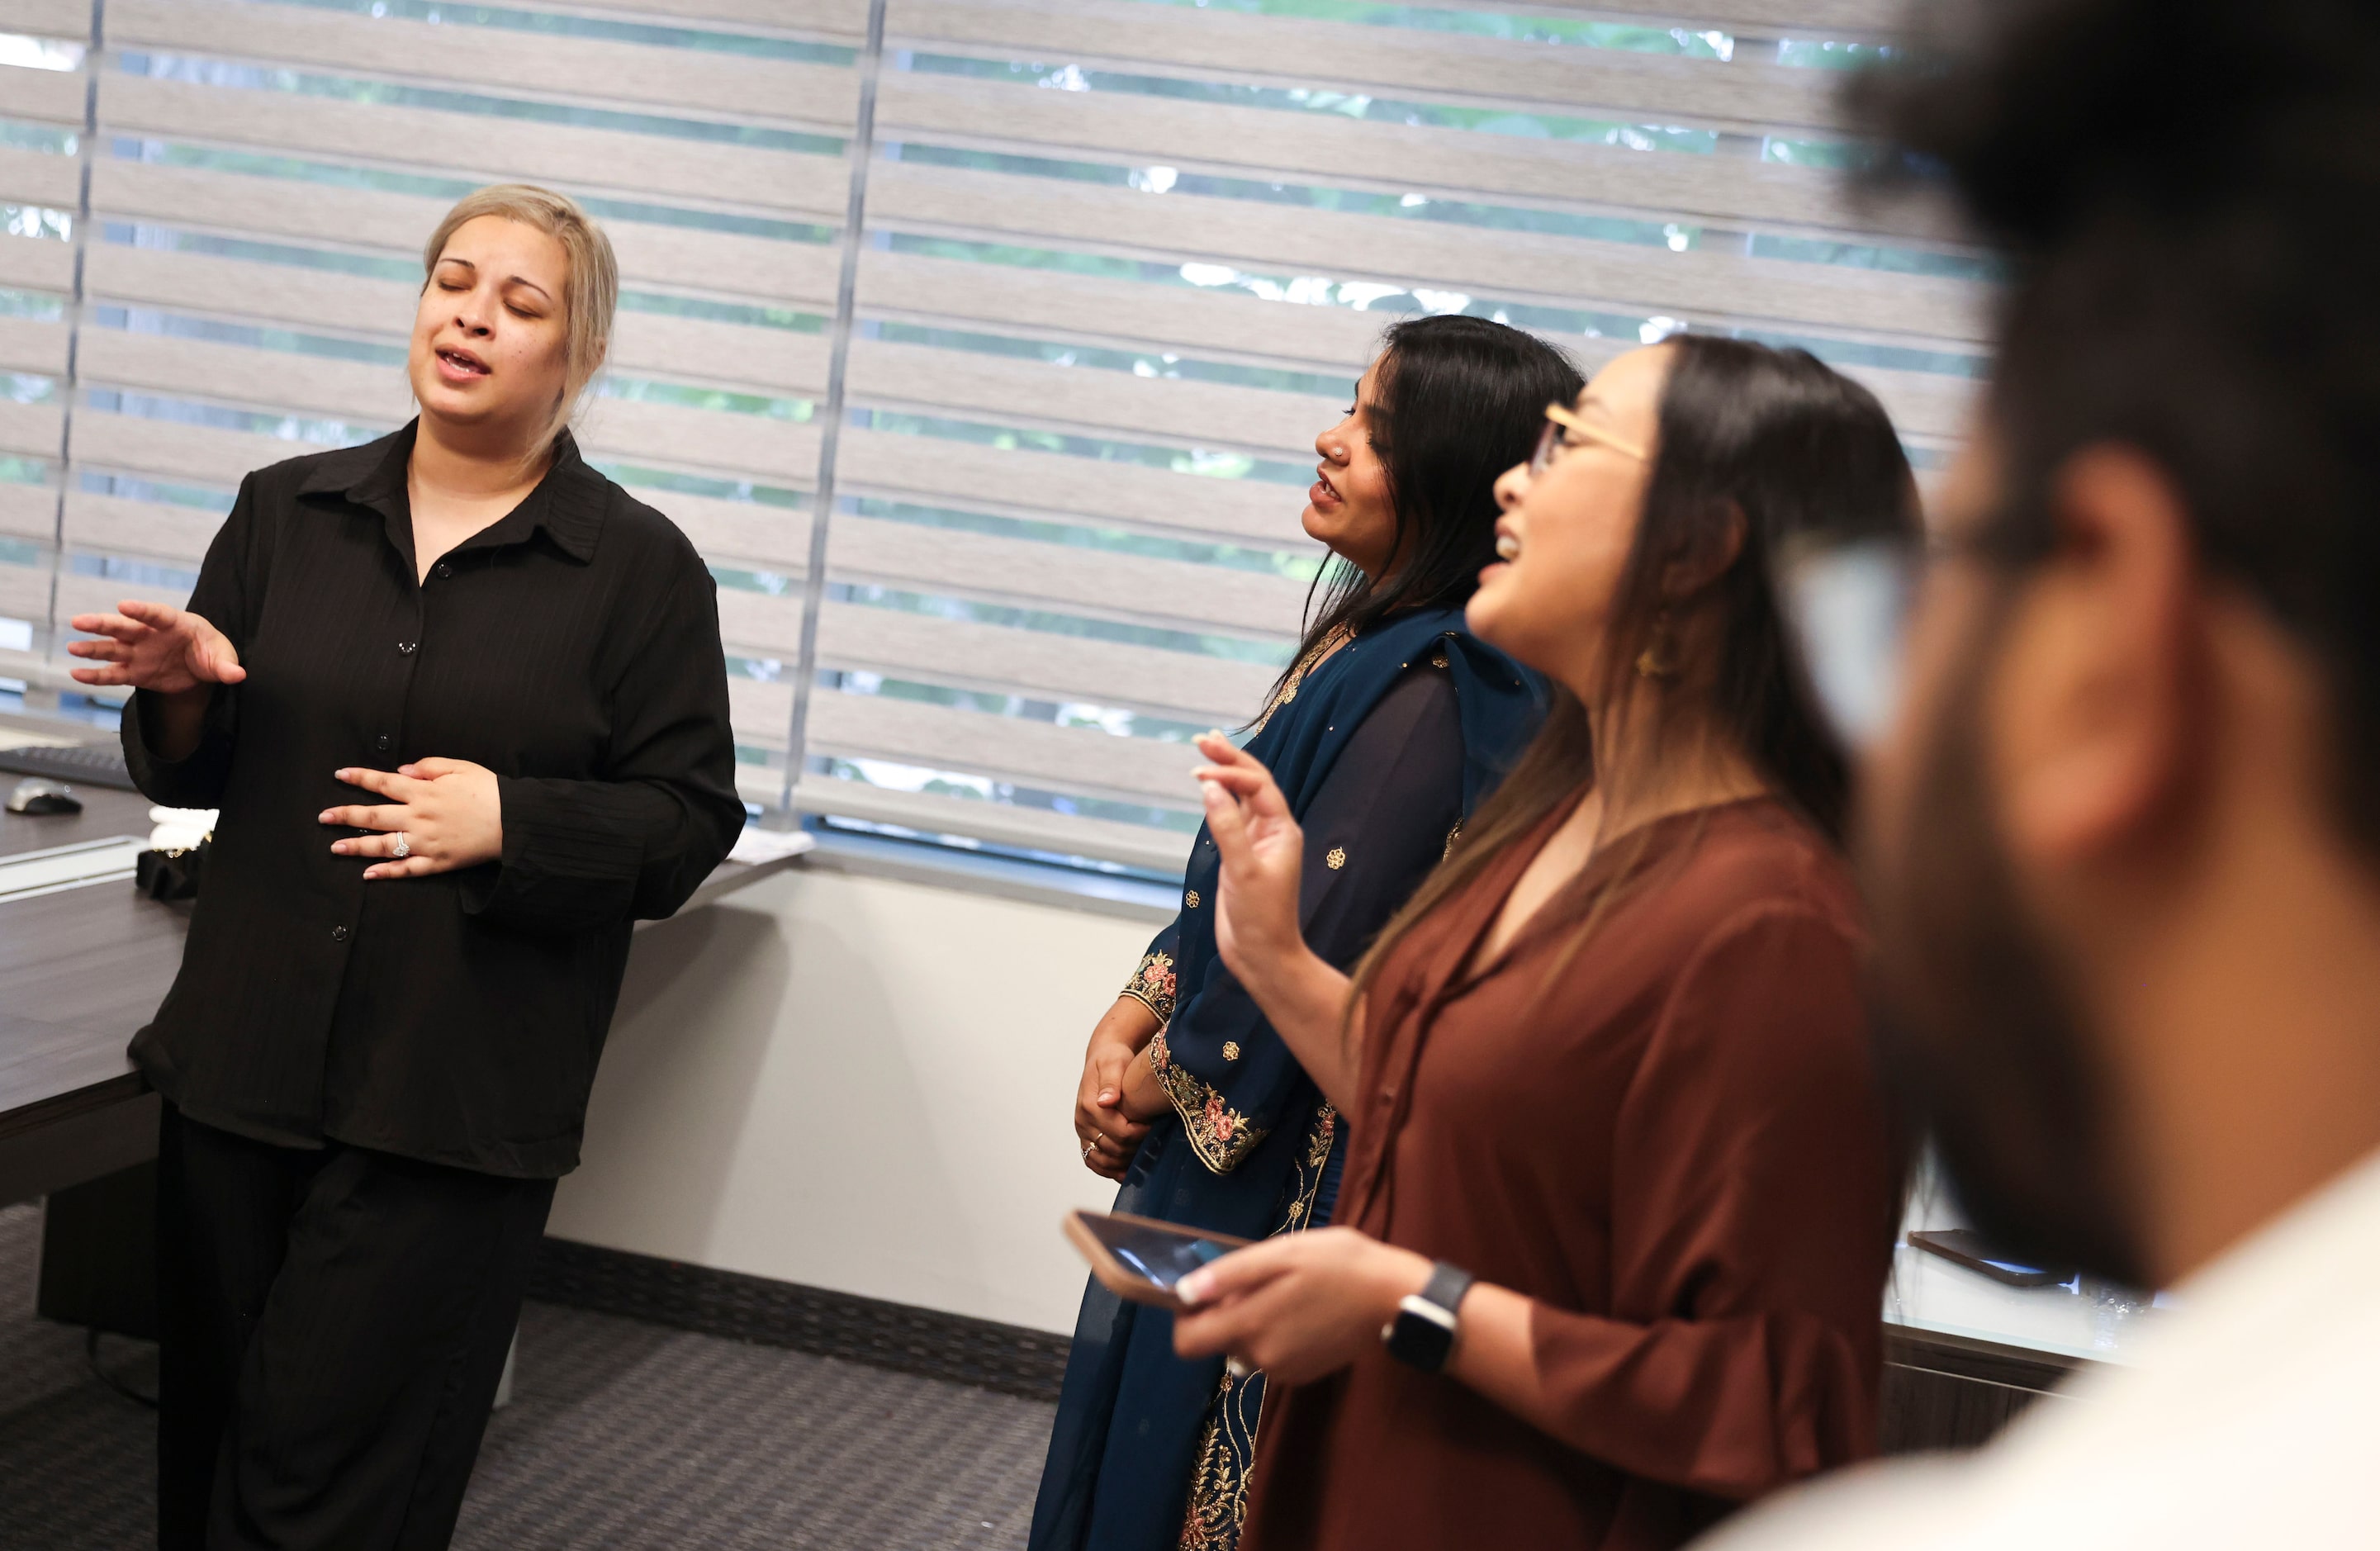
[
  {"x": 1460, "y": 400},
  {"x": 1783, "y": 445}
]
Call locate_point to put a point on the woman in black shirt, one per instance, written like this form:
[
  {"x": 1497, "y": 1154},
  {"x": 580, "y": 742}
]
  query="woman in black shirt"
[{"x": 462, "y": 705}]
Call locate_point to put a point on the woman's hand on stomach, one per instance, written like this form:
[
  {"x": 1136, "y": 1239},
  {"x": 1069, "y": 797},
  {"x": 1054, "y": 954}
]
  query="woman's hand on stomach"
[
  {"x": 157, "y": 648},
  {"x": 449, "y": 813},
  {"x": 1106, "y": 1135}
]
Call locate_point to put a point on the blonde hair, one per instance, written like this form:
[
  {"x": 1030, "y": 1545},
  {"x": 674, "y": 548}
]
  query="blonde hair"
[{"x": 592, "y": 282}]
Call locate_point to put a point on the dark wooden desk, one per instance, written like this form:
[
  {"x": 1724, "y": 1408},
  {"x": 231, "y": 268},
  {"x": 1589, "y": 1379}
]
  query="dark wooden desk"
[{"x": 79, "y": 971}]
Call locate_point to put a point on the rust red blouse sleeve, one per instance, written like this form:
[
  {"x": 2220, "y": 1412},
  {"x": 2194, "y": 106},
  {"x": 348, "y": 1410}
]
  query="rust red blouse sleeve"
[{"x": 1751, "y": 1226}]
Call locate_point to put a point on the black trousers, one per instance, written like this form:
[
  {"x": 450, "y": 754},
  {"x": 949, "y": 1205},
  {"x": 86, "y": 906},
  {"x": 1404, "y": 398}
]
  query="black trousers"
[{"x": 332, "y": 1328}]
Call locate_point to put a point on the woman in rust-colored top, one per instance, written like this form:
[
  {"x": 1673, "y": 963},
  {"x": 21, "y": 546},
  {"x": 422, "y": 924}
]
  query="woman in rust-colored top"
[{"x": 1618, "y": 1208}]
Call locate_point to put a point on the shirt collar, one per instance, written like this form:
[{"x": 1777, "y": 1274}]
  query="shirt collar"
[{"x": 568, "y": 503}]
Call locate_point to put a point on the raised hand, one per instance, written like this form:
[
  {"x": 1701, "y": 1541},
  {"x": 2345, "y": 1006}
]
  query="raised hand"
[
  {"x": 1263, "y": 853},
  {"x": 152, "y": 647},
  {"x": 1256, "y": 929},
  {"x": 444, "y": 813}
]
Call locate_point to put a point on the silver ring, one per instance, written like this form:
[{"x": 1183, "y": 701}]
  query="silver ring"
[
  {"x": 1088, "y": 1146},
  {"x": 403, "y": 849}
]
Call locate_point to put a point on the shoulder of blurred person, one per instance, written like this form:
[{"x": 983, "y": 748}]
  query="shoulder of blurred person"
[{"x": 2246, "y": 1422}]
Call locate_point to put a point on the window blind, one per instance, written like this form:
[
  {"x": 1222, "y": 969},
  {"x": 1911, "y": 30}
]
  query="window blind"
[{"x": 1116, "y": 263}]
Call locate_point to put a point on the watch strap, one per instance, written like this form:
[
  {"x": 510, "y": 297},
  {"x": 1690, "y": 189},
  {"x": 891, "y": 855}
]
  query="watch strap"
[{"x": 1447, "y": 1285}]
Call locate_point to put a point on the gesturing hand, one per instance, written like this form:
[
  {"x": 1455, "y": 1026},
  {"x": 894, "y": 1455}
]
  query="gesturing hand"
[
  {"x": 1263, "y": 851},
  {"x": 447, "y": 813},
  {"x": 151, "y": 647}
]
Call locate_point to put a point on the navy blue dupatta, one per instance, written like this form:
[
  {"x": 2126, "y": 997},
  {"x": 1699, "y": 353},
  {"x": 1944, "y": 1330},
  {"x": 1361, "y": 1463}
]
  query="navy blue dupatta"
[{"x": 1244, "y": 1130}]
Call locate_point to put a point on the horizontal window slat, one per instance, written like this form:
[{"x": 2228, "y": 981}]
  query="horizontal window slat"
[
  {"x": 29, "y": 346},
  {"x": 294, "y": 297},
  {"x": 1922, "y": 403},
  {"x": 1036, "y": 828},
  {"x": 32, "y": 430},
  {"x": 79, "y": 594},
  {"x": 779, "y": 452},
  {"x": 199, "y": 454},
  {"x": 1002, "y": 660},
  {"x": 1798, "y": 18},
  {"x": 148, "y": 528},
  {"x": 1272, "y": 239},
  {"x": 27, "y": 511},
  {"x": 883, "y": 463},
  {"x": 761, "y": 711},
  {"x": 36, "y": 263},
  {"x": 1165, "y": 592},
  {"x": 37, "y": 177},
  {"x": 1015, "y": 298},
  {"x": 1202, "y": 414},
  {"x": 1006, "y": 748},
  {"x": 1383, "y": 60},
  {"x": 25, "y": 594},
  {"x": 718, "y": 262},
  {"x": 273, "y": 379},
  {"x": 848, "y": 17},
  {"x": 1263, "y": 142},
  {"x": 776, "y": 537},
  {"x": 47, "y": 18},
  {"x": 49, "y": 96},
  {"x": 497, "y": 150},
  {"x": 767, "y": 622},
  {"x": 706, "y": 80}
]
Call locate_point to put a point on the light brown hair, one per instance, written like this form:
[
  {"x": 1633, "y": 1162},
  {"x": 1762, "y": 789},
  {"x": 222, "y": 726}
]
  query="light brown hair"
[{"x": 591, "y": 279}]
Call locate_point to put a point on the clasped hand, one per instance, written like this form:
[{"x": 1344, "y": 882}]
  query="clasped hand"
[{"x": 450, "y": 812}]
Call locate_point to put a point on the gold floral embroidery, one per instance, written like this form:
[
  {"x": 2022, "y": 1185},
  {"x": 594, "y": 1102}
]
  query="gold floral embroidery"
[
  {"x": 1438, "y": 661},
  {"x": 1305, "y": 665},
  {"x": 1219, "y": 1134},
  {"x": 1231, "y": 1049},
  {"x": 1337, "y": 859},
  {"x": 1191, "y": 898},
  {"x": 1451, "y": 836},
  {"x": 1227, "y": 1445},
  {"x": 1152, "y": 984}
]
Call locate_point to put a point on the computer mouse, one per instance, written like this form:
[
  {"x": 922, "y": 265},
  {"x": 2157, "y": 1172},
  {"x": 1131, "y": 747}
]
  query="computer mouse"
[{"x": 36, "y": 795}]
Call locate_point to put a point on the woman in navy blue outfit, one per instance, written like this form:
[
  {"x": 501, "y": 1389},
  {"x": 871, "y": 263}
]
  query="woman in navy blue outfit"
[{"x": 1392, "y": 725}]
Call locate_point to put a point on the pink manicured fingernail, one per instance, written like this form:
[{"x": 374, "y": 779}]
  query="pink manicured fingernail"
[{"x": 1192, "y": 1288}]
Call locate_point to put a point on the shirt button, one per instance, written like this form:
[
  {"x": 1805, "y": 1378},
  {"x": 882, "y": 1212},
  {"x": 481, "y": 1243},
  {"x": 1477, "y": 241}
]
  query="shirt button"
[
  {"x": 444, "y": 569},
  {"x": 381, "y": 742},
  {"x": 338, "y": 934},
  {"x": 405, "y": 648}
]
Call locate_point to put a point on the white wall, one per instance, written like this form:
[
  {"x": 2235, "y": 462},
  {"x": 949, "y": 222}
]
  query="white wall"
[{"x": 860, "y": 1084}]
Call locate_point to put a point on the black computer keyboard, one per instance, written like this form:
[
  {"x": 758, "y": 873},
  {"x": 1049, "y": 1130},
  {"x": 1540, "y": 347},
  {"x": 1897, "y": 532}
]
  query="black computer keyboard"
[{"x": 75, "y": 764}]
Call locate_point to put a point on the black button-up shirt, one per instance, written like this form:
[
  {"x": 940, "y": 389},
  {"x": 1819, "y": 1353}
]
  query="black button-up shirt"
[{"x": 573, "y": 648}]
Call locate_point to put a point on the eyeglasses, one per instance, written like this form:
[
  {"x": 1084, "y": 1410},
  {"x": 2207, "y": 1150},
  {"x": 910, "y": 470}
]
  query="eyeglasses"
[{"x": 1562, "y": 426}]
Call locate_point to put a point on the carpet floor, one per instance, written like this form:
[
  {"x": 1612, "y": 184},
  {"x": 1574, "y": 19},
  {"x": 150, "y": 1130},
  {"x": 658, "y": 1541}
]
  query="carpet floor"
[{"x": 620, "y": 1436}]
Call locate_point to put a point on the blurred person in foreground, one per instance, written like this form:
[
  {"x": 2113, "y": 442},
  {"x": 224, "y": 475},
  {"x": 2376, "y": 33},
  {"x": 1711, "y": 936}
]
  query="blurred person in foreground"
[
  {"x": 2123, "y": 832},
  {"x": 462, "y": 703},
  {"x": 1620, "y": 1191}
]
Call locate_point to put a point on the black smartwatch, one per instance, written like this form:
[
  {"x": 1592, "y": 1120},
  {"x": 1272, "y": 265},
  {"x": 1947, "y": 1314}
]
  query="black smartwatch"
[{"x": 1422, "y": 1336}]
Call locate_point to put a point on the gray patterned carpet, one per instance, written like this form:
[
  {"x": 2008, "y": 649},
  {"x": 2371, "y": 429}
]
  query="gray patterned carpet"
[{"x": 620, "y": 1436}]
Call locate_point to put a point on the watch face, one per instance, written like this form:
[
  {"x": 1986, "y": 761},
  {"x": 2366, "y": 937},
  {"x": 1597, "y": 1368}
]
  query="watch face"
[{"x": 1422, "y": 1336}]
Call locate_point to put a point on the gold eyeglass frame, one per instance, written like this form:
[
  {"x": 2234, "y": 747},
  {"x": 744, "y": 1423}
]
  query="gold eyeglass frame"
[{"x": 1560, "y": 417}]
